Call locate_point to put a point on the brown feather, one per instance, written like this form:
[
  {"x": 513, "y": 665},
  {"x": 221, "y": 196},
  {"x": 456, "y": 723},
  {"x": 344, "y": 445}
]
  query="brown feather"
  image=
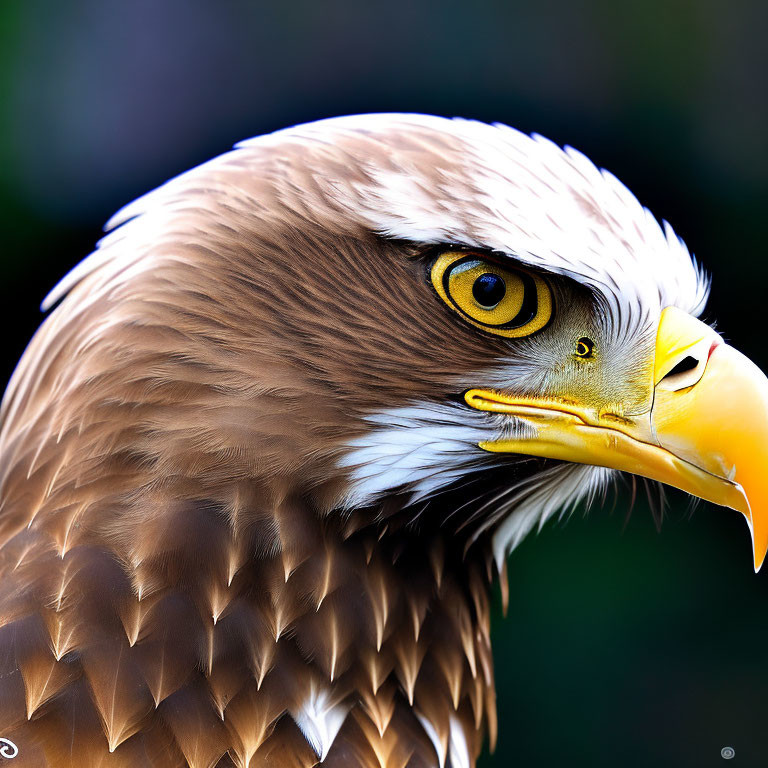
[{"x": 181, "y": 583}]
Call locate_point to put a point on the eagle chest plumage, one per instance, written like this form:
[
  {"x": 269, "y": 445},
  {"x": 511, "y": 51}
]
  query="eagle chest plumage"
[
  {"x": 261, "y": 466},
  {"x": 258, "y": 640}
]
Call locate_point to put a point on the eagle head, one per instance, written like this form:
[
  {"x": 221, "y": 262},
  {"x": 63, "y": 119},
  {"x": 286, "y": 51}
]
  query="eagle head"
[{"x": 261, "y": 463}]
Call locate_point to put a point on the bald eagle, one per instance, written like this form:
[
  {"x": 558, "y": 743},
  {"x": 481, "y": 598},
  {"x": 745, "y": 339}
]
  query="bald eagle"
[{"x": 261, "y": 464}]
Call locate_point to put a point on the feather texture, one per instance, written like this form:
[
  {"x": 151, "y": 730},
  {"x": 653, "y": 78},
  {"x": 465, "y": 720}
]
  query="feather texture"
[{"x": 243, "y": 521}]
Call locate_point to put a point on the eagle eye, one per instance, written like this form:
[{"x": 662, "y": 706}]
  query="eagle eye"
[{"x": 506, "y": 302}]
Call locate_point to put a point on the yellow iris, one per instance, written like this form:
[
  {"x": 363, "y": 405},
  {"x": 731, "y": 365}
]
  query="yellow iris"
[{"x": 506, "y": 302}]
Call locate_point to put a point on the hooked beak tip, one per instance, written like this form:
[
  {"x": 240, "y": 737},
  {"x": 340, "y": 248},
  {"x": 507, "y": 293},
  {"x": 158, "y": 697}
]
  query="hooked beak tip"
[{"x": 759, "y": 548}]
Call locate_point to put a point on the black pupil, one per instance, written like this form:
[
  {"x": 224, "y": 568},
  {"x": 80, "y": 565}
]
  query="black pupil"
[{"x": 488, "y": 290}]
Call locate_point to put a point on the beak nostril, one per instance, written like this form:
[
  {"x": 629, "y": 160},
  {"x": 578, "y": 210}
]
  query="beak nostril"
[{"x": 688, "y": 363}]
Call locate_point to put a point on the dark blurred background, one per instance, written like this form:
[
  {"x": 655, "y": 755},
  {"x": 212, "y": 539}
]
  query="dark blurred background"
[{"x": 623, "y": 646}]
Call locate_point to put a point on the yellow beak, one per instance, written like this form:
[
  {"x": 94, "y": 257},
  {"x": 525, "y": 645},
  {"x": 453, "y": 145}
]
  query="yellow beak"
[{"x": 706, "y": 432}]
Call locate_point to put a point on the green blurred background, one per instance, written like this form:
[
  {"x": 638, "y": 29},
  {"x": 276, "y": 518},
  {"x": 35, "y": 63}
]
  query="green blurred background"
[{"x": 623, "y": 646}]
